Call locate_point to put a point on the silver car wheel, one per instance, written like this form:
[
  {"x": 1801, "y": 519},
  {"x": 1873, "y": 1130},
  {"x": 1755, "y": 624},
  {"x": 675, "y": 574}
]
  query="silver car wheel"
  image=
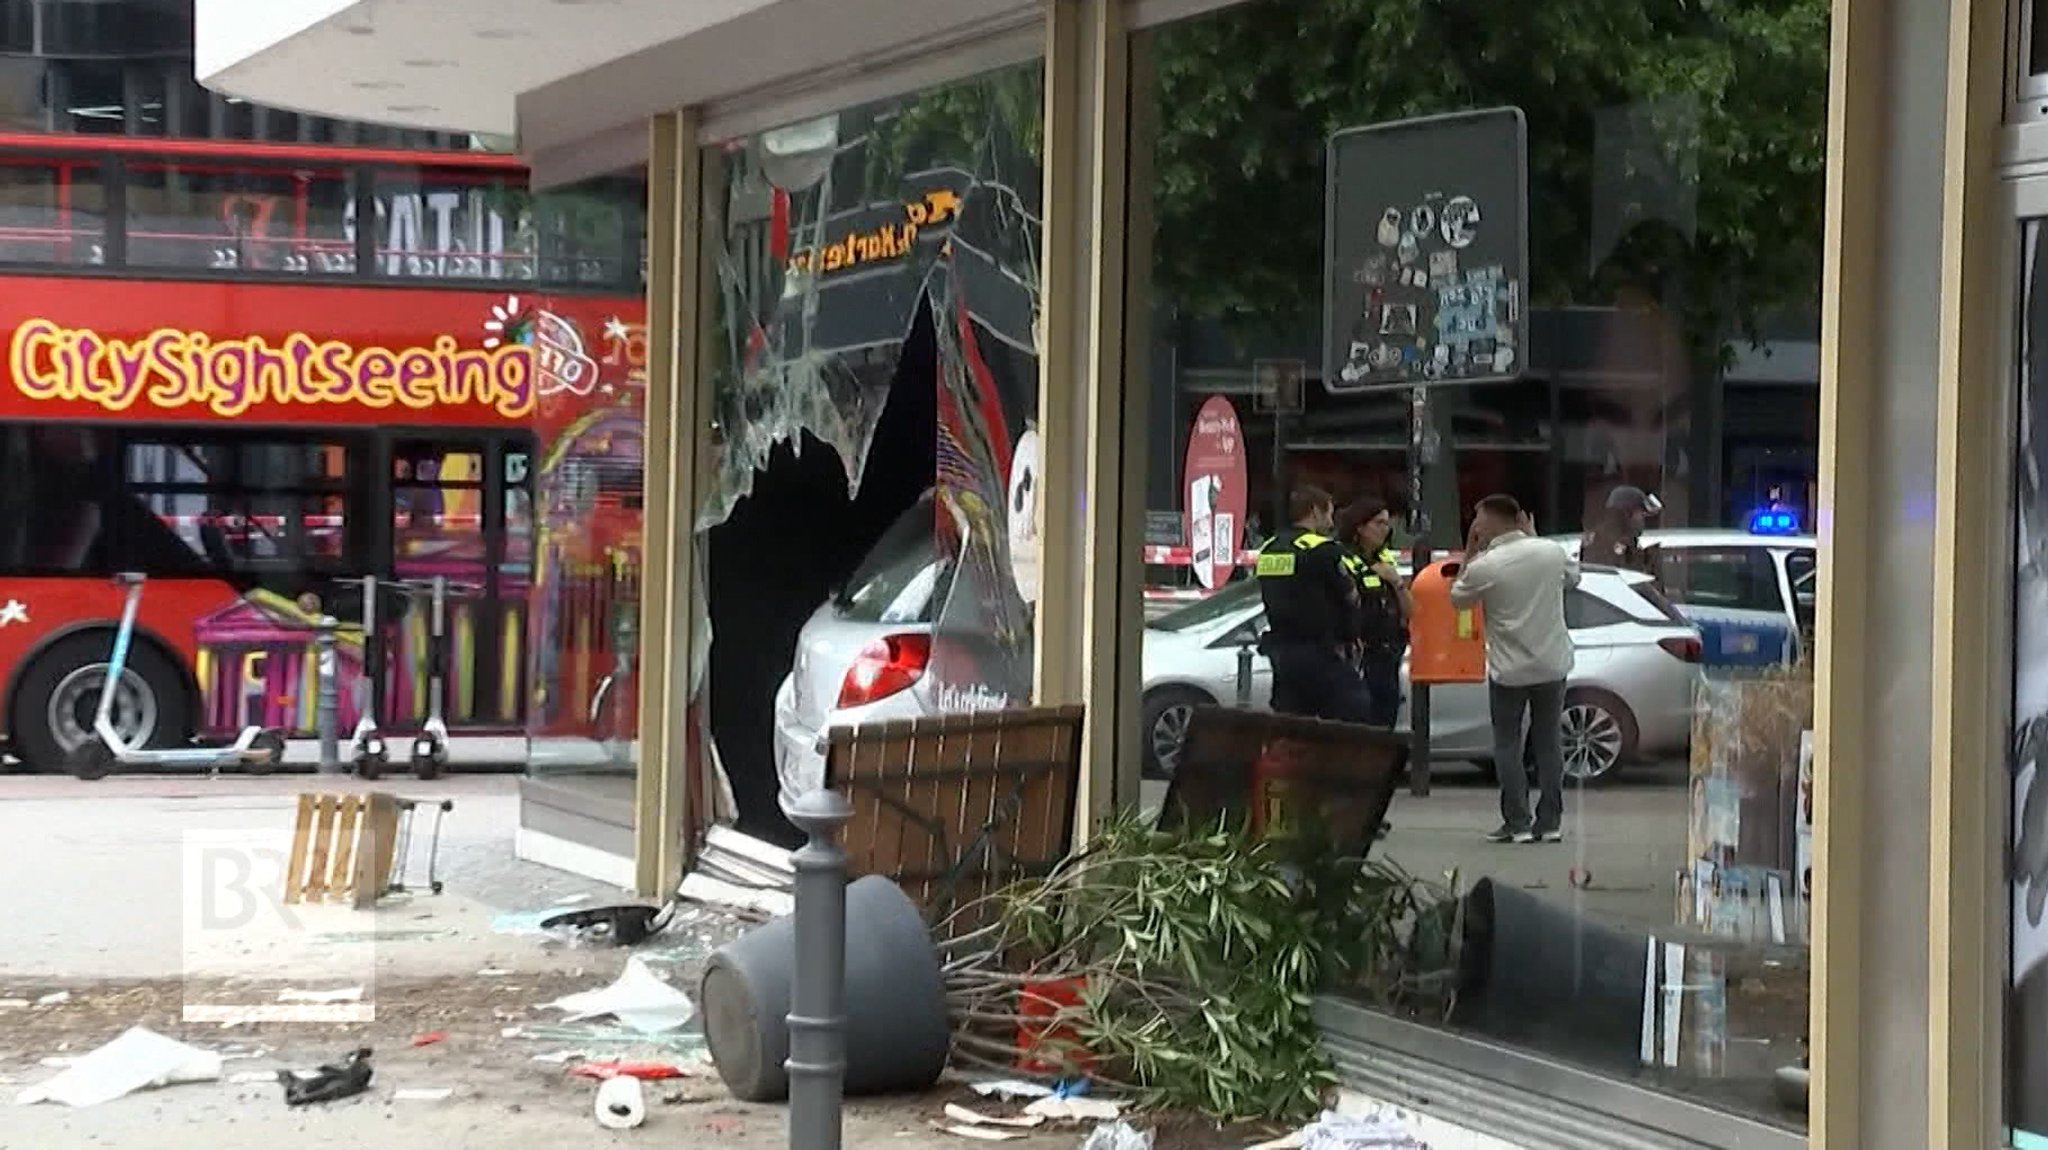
[
  {"x": 77, "y": 696},
  {"x": 1169, "y": 731},
  {"x": 1593, "y": 740}
]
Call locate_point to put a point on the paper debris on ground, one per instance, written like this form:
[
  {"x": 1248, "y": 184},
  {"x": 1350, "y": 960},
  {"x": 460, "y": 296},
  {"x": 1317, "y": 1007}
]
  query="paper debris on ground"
[
  {"x": 639, "y": 1000},
  {"x": 252, "y": 1078},
  {"x": 1076, "y": 1109},
  {"x": 560, "y": 1057},
  {"x": 1012, "y": 1089},
  {"x": 54, "y": 998},
  {"x": 960, "y": 1113},
  {"x": 1379, "y": 1129},
  {"x": 492, "y": 972},
  {"x": 138, "y": 1059},
  {"x": 1117, "y": 1136},
  {"x": 423, "y": 1094},
  {"x": 321, "y": 997},
  {"x": 979, "y": 1133}
]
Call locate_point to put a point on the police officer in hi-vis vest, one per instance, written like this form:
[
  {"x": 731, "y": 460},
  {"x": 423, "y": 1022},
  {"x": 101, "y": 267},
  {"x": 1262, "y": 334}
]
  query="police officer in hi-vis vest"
[
  {"x": 1365, "y": 528},
  {"x": 1312, "y": 615}
]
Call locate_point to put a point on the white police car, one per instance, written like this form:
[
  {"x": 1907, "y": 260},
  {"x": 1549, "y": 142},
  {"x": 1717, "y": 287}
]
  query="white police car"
[{"x": 1751, "y": 593}]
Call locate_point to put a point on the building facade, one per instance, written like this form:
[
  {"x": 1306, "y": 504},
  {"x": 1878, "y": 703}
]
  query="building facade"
[{"x": 929, "y": 281}]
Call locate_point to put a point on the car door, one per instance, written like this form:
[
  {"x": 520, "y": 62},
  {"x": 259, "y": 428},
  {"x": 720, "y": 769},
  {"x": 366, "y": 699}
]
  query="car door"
[
  {"x": 1735, "y": 595},
  {"x": 1802, "y": 586}
]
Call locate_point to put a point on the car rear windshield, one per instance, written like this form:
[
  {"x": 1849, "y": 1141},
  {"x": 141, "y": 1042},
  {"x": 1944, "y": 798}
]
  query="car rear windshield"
[
  {"x": 1648, "y": 591},
  {"x": 1232, "y": 598},
  {"x": 901, "y": 577}
]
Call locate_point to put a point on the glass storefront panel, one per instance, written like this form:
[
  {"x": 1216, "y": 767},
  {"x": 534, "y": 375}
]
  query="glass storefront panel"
[
  {"x": 870, "y": 545},
  {"x": 1572, "y": 258},
  {"x": 572, "y": 503},
  {"x": 2027, "y": 1016}
]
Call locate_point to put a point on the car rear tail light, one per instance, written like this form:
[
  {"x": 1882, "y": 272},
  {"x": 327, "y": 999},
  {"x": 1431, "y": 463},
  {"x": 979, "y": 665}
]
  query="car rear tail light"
[
  {"x": 1684, "y": 648},
  {"x": 885, "y": 667}
]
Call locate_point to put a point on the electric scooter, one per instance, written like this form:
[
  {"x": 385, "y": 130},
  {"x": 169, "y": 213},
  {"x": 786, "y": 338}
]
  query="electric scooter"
[
  {"x": 366, "y": 749},
  {"x": 608, "y": 703},
  {"x": 430, "y": 746},
  {"x": 258, "y": 749}
]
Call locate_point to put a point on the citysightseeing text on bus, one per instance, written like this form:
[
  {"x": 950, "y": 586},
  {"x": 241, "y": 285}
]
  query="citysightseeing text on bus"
[{"x": 169, "y": 369}]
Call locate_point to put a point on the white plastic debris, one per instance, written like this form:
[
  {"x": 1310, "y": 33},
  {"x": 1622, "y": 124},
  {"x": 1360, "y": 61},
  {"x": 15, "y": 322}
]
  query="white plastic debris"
[
  {"x": 621, "y": 1104},
  {"x": 137, "y": 1060},
  {"x": 54, "y": 998},
  {"x": 1379, "y": 1129},
  {"x": 423, "y": 1094},
  {"x": 1012, "y": 1089},
  {"x": 1118, "y": 1136},
  {"x": 640, "y": 1001}
]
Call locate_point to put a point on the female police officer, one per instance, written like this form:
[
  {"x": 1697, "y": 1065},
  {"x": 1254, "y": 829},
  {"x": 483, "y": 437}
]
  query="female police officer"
[{"x": 1365, "y": 529}]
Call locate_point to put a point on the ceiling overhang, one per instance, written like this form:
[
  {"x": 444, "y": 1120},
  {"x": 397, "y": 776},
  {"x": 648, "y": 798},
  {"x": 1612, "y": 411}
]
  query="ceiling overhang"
[
  {"x": 575, "y": 81},
  {"x": 444, "y": 65}
]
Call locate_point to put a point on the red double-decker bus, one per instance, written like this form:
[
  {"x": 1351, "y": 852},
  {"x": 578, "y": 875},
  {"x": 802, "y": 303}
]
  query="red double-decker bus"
[{"x": 254, "y": 371}]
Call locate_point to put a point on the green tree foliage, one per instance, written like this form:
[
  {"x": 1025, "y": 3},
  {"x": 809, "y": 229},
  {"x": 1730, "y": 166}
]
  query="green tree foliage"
[
  {"x": 988, "y": 125},
  {"x": 1246, "y": 100}
]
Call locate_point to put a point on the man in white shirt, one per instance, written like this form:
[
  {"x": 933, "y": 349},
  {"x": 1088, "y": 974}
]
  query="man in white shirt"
[{"x": 1520, "y": 581}]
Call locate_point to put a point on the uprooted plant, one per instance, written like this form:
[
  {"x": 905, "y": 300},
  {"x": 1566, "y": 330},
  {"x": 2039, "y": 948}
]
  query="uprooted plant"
[{"x": 1191, "y": 961}]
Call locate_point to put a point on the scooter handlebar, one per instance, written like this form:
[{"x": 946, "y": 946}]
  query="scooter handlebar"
[{"x": 426, "y": 587}]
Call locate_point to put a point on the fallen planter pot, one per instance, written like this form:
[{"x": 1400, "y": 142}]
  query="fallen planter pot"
[
  {"x": 897, "y": 1035},
  {"x": 1540, "y": 974}
]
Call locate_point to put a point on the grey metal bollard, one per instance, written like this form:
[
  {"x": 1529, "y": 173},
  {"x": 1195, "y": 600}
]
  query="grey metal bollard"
[
  {"x": 1244, "y": 675},
  {"x": 817, "y": 1000},
  {"x": 327, "y": 694}
]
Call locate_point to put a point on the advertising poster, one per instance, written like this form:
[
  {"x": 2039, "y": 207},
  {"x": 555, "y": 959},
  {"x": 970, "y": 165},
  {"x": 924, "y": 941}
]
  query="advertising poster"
[
  {"x": 2027, "y": 1020},
  {"x": 1426, "y": 242},
  {"x": 1217, "y": 491}
]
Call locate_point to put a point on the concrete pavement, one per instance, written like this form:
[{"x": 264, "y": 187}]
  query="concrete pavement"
[{"x": 116, "y": 892}]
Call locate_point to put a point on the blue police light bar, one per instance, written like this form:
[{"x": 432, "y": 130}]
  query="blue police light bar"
[{"x": 1773, "y": 521}]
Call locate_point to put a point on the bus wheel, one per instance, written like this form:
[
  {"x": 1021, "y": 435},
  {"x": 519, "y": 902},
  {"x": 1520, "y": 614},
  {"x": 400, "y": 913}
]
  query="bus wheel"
[{"x": 56, "y": 697}]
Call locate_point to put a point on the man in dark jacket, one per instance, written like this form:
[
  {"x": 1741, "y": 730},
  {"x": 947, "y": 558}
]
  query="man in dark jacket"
[{"x": 1616, "y": 538}]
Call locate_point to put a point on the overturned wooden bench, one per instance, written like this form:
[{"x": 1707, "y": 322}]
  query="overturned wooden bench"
[
  {"x": 1272, "y": 774},
  {"x": 953, "y": 807}
]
